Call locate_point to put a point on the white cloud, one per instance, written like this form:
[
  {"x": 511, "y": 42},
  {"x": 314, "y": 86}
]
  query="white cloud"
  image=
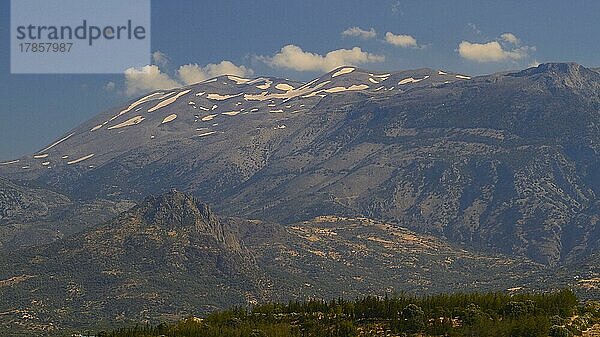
[
  {"x": 151, "y": 77},
  {"x": 482, "y": 52},
  {"x": 193, "y": 73},
  {"x": 495, "y": 51},
  {"x": 404, "y": 41},
  {"x": 147, "y": 78},
  {"x": 534, "y": 64},
  {"x": 160, "y": 58},
  {"x": 359, "y": 32},
  {"x": 293, "y": 57},
  {"x": 510, "y": 38}
]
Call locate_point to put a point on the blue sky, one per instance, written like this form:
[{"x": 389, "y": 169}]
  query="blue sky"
[{"x": 36, "y": 109}]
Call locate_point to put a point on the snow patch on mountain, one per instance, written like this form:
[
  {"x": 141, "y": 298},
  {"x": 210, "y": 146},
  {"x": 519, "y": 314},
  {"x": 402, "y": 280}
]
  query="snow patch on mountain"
[
  {"x": 343, "y": 71},
  {"x": 57, "y": 142},
  {"x": 238, "y": 80},
  {"x": 219, "y": 97},
  {"x": 381, "y": 75},
  {"x": 80, "y": 159},
  {"x": 284, "y": 87},
  {"x": 168, "y": 101},
  {"x": 412, "y": 80},
  {"x": 350, "y": 88},
  {"x": 9, "y": 162},
  {"x": 132, "y": 121},
  {"x": 208, "y": 118},
  {"x": 169, "y": 118}
]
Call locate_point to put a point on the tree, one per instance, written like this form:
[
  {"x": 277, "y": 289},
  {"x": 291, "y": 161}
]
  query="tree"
[
  {"x": 345, "y": 329},
  {"x": 473, "y": 313},
  {"x": 414, "y": 317},
  {"x": 514, "y": 309}
]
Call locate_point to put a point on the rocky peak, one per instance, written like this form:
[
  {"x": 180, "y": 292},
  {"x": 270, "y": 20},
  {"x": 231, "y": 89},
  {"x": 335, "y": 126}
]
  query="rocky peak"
[
  {"x": 175, "y": 210},
  {"x": 570, "y": 75},
  {"x": 561, "y": 68}
]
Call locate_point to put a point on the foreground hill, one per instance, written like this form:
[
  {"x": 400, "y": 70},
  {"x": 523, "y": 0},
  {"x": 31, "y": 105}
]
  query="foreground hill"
[
  {"x": 505, "y": 163},
  {"x": 491, "y": 314},
  {"x": 170, "y": 256}
]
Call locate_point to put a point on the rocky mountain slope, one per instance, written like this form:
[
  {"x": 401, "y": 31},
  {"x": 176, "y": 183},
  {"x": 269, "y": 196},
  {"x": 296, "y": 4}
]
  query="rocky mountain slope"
[
  {"x": 503, "y": 163},
  {"x": 170, "y": 256},
  {"x": 33, "y": 215},
  {"x": 167, "y": 255}
]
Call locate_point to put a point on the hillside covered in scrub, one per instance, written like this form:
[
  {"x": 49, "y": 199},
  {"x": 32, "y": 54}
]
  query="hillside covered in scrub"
[{"x": 486, "y": 314}]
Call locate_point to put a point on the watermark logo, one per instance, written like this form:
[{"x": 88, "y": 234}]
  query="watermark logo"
[{"x": 79, "y": 36}]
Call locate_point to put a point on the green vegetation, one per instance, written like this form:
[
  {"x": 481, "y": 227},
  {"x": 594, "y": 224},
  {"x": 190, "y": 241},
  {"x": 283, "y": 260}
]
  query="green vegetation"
[{"x": 491, "y": 314}]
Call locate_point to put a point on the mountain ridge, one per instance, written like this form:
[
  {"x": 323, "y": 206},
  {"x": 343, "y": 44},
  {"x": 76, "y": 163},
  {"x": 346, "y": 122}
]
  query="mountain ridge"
[{"x": 471, "y": 160}]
